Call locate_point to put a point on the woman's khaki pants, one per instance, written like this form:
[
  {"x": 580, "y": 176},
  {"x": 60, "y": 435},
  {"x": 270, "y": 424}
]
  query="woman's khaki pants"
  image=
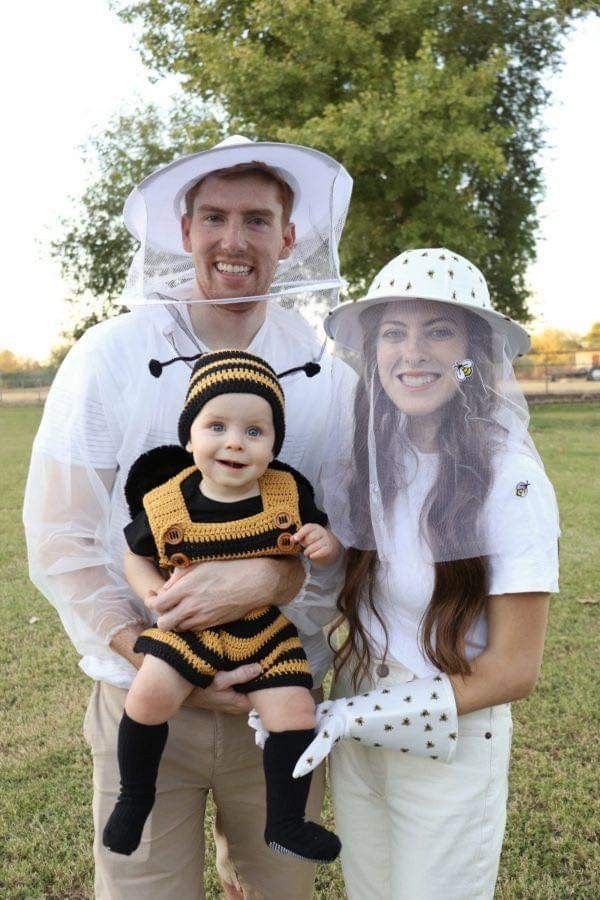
[
  {"x": 204, "y": 752},
  {"x": 419, "y": 829}
]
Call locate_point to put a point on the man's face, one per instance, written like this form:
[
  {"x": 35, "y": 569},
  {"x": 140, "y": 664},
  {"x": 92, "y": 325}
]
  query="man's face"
[{"x": 236, "y": 236}]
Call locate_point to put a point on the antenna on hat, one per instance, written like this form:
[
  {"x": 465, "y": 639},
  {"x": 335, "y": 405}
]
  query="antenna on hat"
[
  {"x": 311, "y": 369},
  {"x": 156, "y": 366}
]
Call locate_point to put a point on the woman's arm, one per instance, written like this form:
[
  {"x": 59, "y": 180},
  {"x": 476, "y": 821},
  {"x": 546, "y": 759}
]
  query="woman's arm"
[{"x": 509, "y": 666}]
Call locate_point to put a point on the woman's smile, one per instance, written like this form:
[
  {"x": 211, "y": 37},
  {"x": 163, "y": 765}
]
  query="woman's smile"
[{"x": 418, "y": 381}]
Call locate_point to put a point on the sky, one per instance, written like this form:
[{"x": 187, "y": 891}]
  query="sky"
[{"x": 64, "y": 78}]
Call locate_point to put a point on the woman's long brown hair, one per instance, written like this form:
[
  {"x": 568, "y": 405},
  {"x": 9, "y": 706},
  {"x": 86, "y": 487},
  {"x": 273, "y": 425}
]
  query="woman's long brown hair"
[{"x": 460, "y": 586}]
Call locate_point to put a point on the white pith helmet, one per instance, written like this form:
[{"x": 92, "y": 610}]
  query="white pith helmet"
[
  {"x": 154, "y": 208},
  {"x": 435, "y": 274}
]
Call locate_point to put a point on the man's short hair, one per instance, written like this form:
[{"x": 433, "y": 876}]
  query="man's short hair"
[{"x": 262, "y": 170}]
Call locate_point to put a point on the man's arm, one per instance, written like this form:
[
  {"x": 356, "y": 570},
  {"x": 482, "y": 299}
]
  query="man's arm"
[
  {"x": 66, "y": 517},
  {"x": 213, "y": 593}
]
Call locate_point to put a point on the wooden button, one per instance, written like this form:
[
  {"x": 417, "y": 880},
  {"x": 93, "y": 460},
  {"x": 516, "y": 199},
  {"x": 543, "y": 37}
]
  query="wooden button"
[
  {"x": 282, "y": 519},
  {"x": 382, "y": 670},
  {"x": 174, "y": 535},
  {"x": 180, "y": 560},
  {"x": 284, "y": 541}
]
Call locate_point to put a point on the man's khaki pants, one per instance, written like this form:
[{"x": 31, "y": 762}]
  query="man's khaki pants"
[{"x": 204, "y": 752}]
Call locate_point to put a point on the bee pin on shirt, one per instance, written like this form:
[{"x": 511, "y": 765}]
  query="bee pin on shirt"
[{"x": 521, "y": 488}]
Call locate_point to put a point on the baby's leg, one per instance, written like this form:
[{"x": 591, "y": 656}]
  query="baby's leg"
[
  {"x": 155, "y": 695},
  {"x": 289, "y": 715},
  {"x": 157, "y": 692},
  {"x": 284, "y": 708}
]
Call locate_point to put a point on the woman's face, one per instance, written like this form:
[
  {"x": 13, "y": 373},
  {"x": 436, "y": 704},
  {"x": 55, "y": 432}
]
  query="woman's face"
[{"x": 418, "y": 343}]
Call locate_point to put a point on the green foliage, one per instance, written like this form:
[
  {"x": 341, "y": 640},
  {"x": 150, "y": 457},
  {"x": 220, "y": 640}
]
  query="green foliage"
[
  {"x": 592, "y": 338},
  {"x": 432, "y": 107},
  {"x": 95, "y": 248}
]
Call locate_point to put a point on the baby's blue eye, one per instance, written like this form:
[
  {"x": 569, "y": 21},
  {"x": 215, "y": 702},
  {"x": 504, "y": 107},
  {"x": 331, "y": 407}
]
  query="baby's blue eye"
[
  {"x": 253, "y": 431},
  {"x": 218, "y": 427}
]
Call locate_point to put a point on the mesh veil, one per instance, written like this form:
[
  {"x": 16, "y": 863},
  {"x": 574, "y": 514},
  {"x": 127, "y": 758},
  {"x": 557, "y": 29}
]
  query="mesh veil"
[
  {"x": 433, "y": 418},
  {"x": 161, "y": 271}
]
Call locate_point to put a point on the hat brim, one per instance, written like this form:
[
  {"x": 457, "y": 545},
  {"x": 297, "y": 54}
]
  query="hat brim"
[
  {"x": 343, "y": 324},
  {"x": 321, "y": 185}
]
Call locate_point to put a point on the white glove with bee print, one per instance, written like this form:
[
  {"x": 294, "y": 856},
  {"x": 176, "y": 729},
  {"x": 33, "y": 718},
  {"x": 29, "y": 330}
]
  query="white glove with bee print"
[{"x": 417, "y": 718}]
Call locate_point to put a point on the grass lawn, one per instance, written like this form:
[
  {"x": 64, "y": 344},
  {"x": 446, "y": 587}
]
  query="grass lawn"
[{"x": 45, "y": 772}]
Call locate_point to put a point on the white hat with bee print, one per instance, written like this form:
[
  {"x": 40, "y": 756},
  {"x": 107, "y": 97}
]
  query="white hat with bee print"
[{"x": 434, "y": 274}]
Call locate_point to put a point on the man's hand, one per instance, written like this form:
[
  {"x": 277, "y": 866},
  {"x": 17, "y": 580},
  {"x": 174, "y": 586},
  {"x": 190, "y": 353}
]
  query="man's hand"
[
  {"x": 220, "y": 696},
  {"x": 214, "y": 593}
]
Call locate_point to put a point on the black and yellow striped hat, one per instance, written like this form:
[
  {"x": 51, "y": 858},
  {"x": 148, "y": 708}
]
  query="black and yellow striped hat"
[{"x": 232, "y": 372}]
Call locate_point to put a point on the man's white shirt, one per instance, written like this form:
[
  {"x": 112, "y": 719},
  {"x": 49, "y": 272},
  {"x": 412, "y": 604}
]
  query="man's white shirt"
[{"x": 105, "y": 409}]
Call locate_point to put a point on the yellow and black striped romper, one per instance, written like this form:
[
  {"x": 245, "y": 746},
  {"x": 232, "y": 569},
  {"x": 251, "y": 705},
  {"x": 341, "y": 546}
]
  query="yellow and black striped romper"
[{"x": 179, "y": 526}]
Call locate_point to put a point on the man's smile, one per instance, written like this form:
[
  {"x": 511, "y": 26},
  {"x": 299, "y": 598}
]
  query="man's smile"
[{"x": 237, "y": 269}]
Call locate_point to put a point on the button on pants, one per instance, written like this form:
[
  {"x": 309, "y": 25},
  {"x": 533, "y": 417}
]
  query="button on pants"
[{"x": 419, "y": 829}]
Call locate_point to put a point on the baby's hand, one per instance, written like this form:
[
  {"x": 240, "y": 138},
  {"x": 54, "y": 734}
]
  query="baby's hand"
[{"x": 319, "y": 544}]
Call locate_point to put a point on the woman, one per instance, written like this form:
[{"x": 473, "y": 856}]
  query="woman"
[{"x": 455, "y": 528}]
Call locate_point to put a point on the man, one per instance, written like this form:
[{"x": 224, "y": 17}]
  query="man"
[{"x": 241, "y": 220}]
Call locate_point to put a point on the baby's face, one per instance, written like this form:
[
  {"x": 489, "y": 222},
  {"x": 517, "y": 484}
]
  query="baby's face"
[{"x": 232, "y": 439}]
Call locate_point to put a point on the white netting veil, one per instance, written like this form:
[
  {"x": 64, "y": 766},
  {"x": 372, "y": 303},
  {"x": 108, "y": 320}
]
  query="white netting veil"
[
  {"x": 163, "y": 272},
  {"x": 436, "y": 413}
]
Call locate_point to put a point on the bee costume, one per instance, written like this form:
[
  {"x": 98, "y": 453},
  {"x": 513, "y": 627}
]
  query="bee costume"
[
  {"x": 175, "y": 524},
  {"x": 259, "y": 526}
]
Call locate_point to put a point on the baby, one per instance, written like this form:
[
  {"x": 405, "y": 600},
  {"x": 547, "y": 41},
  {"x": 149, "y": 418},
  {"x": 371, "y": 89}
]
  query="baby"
[{"x": 229, "y": 500}]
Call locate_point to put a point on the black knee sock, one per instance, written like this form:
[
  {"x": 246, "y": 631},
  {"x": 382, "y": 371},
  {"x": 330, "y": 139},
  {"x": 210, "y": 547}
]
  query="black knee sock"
[
  {"x": 140, "y": 748},
  {"x": 286, "y": 830}
]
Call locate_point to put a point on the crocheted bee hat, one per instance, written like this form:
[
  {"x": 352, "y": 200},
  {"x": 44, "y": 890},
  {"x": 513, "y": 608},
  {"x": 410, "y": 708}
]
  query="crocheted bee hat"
[{"x": 232, "y": 372}]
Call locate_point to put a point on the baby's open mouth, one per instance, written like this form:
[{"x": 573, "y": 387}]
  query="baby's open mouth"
[{"x": 230, "y": 464}]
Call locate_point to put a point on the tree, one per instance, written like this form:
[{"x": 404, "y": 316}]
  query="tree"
[
  {"x": 554, "y": 347},
  {"x": 9, "y": 362},
  {"x": 433, "y": 108},
  {"x": 57, "y": 354},
  {"x": 592, "y": 338},
  {"x": 95, "y": 248}
]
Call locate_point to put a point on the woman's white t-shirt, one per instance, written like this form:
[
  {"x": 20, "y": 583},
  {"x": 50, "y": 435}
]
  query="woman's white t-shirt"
[{"x": 523, "y": 532}]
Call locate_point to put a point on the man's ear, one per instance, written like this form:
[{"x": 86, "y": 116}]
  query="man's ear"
[
  {"x": 289, "y": 240},
  {"x": 186, "y": 224}
]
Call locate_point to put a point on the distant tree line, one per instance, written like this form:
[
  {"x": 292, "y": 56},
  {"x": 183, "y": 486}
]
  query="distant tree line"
[{"x": 22, "y": 372}]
